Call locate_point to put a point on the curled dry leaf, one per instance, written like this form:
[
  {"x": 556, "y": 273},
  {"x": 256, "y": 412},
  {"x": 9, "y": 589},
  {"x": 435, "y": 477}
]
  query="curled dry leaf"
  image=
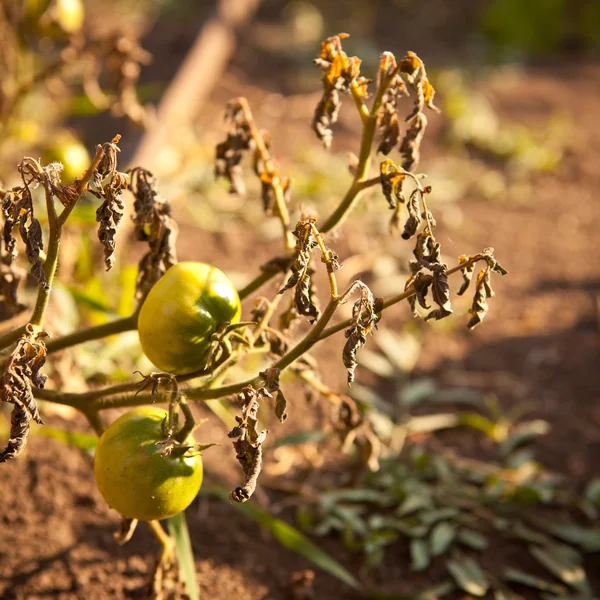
[
  {"x": 155, "y": 225},
  {"x": 21, "y": 372},
  {"x": 107, "y": 184},
  {"x": 18, "y": 211},
  {"x": 304, "y": 297},
  {"x": 230, "y": 152},
  {"x": 414, "y": 70},
  {"x": 387, "y": 118},
  {"x": 339, "y": 72},
  {"x": 365, "y": 316},
  {"x": 248, "y": 440},
  {"x": 10, "y": 277},
  {"x": 483, "y": 291}
]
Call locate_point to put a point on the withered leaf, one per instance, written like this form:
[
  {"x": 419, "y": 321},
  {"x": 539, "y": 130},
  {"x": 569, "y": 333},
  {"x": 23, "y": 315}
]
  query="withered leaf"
[
  {"x": 22, "y": 370},
  {"x": 10, "y": 277},
  {"x": 229, "y": 153},
  {"x": 414, "y": 215},
  {"x": 410, "y": 146},
  {"x": 365, "y": 316},
  {"x": 248, "y": 442},
  {"x": 467, "y": 273},
  {"x": 391, "y": 180},
  {"x": 479, "y": 307},
  {"x": 339, "y": 72},
  {"x": 107, "y": 184},
  {"x": 281, "y": 407},
  {"x": 155, "y": 225},
  {"x": 305, "y": 300}
]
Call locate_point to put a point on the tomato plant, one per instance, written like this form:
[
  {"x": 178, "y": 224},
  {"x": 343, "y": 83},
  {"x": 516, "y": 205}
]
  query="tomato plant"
[
  {"x": 181, "y": 312},
  {"x": 188, "y": 313},
  {"x": 134, "y": 474}
]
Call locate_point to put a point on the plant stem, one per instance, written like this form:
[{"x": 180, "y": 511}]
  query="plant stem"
[
  {"x": 271, "y": 171},
  {"x": 119, "y": 325},
  {"x": 10, "y": 337},
  {"x": 122, "y": 395},
  {"x": 93, "y": 333},
  {"x": 364, "y": 162},
  {"x": 257, "y": 282}
]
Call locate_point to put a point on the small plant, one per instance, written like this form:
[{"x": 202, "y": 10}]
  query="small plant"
[{"x": 221, "y": 341}]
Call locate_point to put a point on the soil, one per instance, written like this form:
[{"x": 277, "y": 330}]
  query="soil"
[{"x": 540, "y": 343}]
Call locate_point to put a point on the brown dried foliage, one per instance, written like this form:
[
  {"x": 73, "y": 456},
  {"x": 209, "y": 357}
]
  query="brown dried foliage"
[
  {"x": 107, "y": 184},
  {"x": 339, "y": 72},
  {"x": 22, "y": 371},
  {"x": 154, "y": 225}
]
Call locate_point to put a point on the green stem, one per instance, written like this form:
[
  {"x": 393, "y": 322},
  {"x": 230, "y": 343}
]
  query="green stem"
[
  {"x": 93, "y": 333},
  {"x": 262, "y": 278},
  {"x": 121, "y": 395},
  {"x": 10, "y": 337},
  {"x": 362, "y": 169},
  {"x": 41, "y": 303}
]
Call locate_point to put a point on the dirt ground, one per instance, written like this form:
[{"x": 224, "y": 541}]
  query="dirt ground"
[{"x": 540, "y": 343}]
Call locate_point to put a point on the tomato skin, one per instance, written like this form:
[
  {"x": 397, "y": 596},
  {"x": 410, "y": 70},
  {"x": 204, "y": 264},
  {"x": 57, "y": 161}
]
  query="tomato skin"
[
  {"x": 134, "y": 478},
  {"x": 183, "y": 309}
]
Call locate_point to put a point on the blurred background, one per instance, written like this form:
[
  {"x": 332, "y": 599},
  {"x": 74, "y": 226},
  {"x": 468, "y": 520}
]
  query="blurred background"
[{"x": 513, "y": 160}]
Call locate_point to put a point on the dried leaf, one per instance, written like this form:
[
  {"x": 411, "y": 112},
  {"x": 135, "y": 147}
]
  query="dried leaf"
[
  {"x": 467, "y": 273},
  {"x": 410, "y": 146},
  {"x": 155, "y": 225},
  {"x": 248, "y": 442},
  {"x": 364, "y": 319},
  {"x": 107, "y": 184},
  {"x": 21, "y": 372},
  {"x": 339, "y": 72},
  {"x": 414, "y": 214},
  {"x": 479, "y": 307}
]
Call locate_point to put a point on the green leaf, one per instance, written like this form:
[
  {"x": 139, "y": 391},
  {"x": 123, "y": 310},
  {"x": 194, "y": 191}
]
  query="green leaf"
[
  {"x": 468, "y": 576},
  {"x": 437, "y": 591},
  {"x": 290, "y": 538},
  {"x": 298, "y": 438},
  {"x": 85, "y": 441},
  {"x": 472, "y": 539},
  {"x": 592, "y": 492},
  {"x": 430, "y": 423},
  {"x": 90, "y": 300},
  {"x": 414, "y": 502},
  {"x": 429, "y": 517},
  {"x": 477, "y": 421},
  {"x": 516, "y": 576},
  {"x": 178, "y": 529},
  {"x": 442, "y": 536},
  {"x": 523, "y": 433},
  {"x": 417, "y": 391},
  {"x": 586, "y": 538},
  {"x": 567, "y": 568},
  {"x": 419, "y": 554}
]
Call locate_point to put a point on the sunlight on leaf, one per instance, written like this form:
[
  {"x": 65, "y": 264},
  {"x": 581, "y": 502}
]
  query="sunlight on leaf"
[
  {"x": 85, "y": 441},
  {"x": 178, "y": 529},
  {"x": 291, "y": 538}
]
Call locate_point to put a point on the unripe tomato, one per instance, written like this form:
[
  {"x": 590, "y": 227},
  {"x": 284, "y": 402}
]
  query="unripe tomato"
[
  {"x": 134, "y": 478},
  {"x": 183, "y": 309}
]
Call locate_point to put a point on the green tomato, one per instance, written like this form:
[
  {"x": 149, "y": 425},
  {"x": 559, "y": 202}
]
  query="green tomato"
[
  {"x": 181, "y": 312},
  {"x": 134, "y": 478}
]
